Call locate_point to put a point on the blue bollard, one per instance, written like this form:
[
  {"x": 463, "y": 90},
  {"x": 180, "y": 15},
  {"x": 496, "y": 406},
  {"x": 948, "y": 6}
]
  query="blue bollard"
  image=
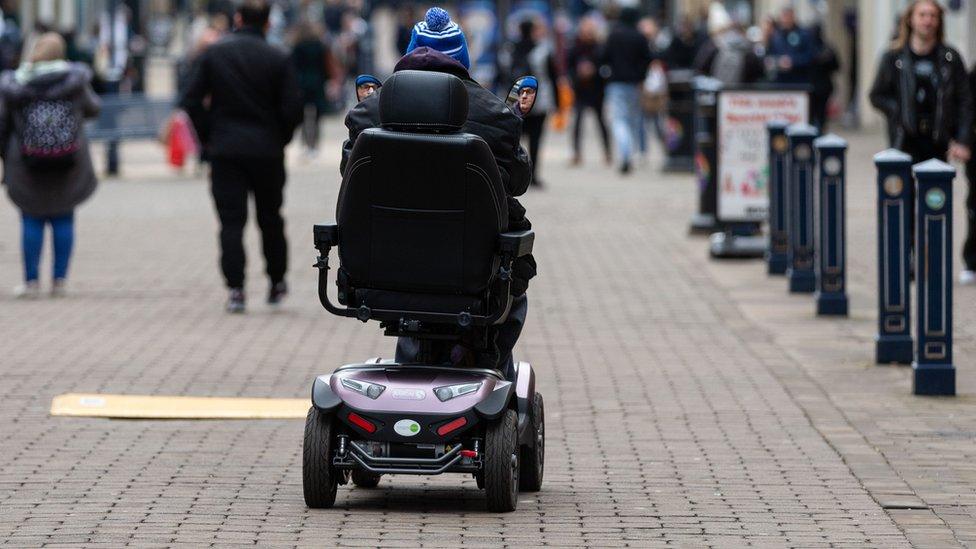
[
  {"x": 800, "y": 171},
  {"x": 776, "y": 256},
  {"x": 831, "y": 246},
  {"x": 706, "y": 153},
  {"x": 893, "y": 344},
  {"x": 933, "y": 371}
]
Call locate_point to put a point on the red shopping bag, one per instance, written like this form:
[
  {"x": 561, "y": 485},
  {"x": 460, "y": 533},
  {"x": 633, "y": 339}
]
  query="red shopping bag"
[{"x": 182, "y": 142}]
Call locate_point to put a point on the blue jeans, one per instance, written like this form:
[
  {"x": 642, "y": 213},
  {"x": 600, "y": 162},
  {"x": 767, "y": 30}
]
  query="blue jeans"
[
  {"x": 63, "y": 227},
  {"x": 625, "y": 115}
]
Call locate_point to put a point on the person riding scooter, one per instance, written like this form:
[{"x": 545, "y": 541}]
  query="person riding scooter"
[{"x": 492, "y": 120}]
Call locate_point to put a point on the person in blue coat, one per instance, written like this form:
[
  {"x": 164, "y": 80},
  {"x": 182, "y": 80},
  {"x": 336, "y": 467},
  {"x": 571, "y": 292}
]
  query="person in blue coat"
[{"x": 791, "y": 51}]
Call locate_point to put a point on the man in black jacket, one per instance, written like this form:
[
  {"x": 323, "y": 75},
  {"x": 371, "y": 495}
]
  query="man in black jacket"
[
  {"x": 492, "y": 120},
  {"x": 922, "y": 89},
  {"x": 253, "y": 110}
]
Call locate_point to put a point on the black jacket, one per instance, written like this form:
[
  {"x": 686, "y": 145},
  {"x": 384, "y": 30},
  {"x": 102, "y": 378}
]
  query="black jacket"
[
  {"x": 627, "y": 55},
  {"x": 488, "y": 118},
  {"x": 893, "y": 94},
  {"x": 255, "y": 103}
]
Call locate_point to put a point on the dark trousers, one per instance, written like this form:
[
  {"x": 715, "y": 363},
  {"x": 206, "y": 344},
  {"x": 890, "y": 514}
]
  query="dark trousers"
[
  {"x": 533, "y": 126},
  {"x": 232, "y": 180},
  {"x": 505, "y": 335},
  {"x": 969, "y": 247},
  {"x": 310, "y": 126},
  {"x": 581, "y": 108}
]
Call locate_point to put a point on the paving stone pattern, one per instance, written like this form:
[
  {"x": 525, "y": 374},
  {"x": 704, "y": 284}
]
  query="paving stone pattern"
[{"x": 681, "y": 407}]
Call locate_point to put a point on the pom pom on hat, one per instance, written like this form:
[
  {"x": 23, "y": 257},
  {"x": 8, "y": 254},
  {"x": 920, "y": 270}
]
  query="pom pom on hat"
[{"x": 437, "y": 19}]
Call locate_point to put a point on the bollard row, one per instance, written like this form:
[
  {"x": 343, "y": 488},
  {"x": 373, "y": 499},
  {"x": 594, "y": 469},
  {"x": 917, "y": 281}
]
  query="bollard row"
[{"x": 800, "y": 172}]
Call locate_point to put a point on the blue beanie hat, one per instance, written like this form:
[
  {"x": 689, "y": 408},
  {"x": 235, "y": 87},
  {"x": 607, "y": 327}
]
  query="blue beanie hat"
[
  {"x": 438, "y": 32},
  {"x": 367, "y": 79}
]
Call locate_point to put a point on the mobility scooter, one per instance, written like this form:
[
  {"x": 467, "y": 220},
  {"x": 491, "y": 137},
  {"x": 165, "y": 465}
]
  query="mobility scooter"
[{"x": 423, "y": 246}]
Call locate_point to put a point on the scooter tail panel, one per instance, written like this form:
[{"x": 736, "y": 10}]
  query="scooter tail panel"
[
  {"x": 497, "y": 402},
  {"x": 323, "y": 398}
]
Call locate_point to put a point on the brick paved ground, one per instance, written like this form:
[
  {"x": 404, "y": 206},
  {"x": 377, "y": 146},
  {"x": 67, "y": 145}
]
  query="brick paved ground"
[{"x": 689, "y": 403}]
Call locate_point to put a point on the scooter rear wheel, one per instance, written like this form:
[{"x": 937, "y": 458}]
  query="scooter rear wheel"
[
  {"x": 320, "y": 480},
  {"x": 501, "y": 464},
  {"x": 364, "y": 479},
  {"x": 534, "y": 456}
]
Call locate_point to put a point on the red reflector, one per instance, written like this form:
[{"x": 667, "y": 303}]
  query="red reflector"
[
  {"x": 361, "y": 422},
  {"x": 469, "y": 454},
  {"x": 451, "y": 426}
]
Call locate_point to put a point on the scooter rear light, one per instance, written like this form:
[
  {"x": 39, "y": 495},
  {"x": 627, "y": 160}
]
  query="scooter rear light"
[
  {"x": 361, "y": 422},
  {"x": 453, "y": 425},
  {"x": 469, "y": 454}
]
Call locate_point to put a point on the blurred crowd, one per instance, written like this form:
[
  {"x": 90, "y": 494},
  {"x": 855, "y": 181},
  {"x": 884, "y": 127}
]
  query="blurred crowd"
[{"x": 616, "y": 64}]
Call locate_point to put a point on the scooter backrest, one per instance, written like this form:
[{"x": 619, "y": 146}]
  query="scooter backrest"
[
  {"x": 423, "y": 102},
  {"x": 421, "y": 204}
]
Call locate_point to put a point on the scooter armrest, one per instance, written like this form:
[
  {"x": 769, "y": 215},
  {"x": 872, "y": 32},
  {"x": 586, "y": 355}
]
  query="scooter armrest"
[
  {"x": 517, "y": 243},
  {"x": 326, "y": 236}
]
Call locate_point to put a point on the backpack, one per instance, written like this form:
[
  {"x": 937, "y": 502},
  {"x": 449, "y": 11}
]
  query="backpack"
[
  {"x": 729, "y": 65},
  {"x": 50, "y": 136}
]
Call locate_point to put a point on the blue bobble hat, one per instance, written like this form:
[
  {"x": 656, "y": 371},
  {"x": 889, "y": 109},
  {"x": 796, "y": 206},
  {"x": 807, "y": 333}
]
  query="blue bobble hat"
[{"x": 438, "y": 32}]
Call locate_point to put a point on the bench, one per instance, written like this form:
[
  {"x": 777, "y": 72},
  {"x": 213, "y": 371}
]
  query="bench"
[
  {"x": 122, "y": 117},
  {"x": 129, "y": 117}
]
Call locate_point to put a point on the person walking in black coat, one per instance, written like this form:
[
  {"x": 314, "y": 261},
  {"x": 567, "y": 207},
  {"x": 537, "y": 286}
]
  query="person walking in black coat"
[
  {"x": 254, "y": 108},
  {"x": 922, "y": 89}
]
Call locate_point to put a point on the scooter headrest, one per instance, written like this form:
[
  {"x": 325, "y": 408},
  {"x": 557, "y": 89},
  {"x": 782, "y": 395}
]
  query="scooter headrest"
[{"x": 423, "y": 102}]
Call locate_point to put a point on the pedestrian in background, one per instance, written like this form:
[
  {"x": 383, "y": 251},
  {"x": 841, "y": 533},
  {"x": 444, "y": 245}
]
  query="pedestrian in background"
[
  {"x": 790, "y": 51},
  {"x": 47, "y": 168},
  {"x": 825, "y": 64},
  {"x": 683, "y": 48},
  {"x": 728, "y": 55},
  {"x": 653, "y": 91},
  {"x": 316, "y": 69},
  {"x": 532, "y": 54},
  {"x": 626, "y": 59},
  {"x": 968, "y": 274},
  {"x": 254, "y": 107},
  {"x": 588, "y": 85},
  {"x": 923, "y": 90}
]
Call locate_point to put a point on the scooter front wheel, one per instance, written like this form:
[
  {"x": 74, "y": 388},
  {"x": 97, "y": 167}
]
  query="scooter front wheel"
[
  {"x": 320, "y": 480},
  {"x": 501, "y": 464}
]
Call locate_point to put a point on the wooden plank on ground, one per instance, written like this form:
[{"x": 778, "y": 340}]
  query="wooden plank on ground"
[{"x": 177, "y": 407}]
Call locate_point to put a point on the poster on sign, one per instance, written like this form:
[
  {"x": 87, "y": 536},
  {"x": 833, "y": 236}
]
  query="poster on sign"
[{"x": 743, "y": 150}]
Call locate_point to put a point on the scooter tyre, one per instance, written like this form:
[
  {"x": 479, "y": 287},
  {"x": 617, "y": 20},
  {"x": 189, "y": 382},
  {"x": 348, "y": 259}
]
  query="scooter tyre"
[
  {"x": 534, "y": 456},
  {"x": 502, "y": 464},
  {"x": 319, "y": 479},
  {"x": 364, "y": 479}
]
